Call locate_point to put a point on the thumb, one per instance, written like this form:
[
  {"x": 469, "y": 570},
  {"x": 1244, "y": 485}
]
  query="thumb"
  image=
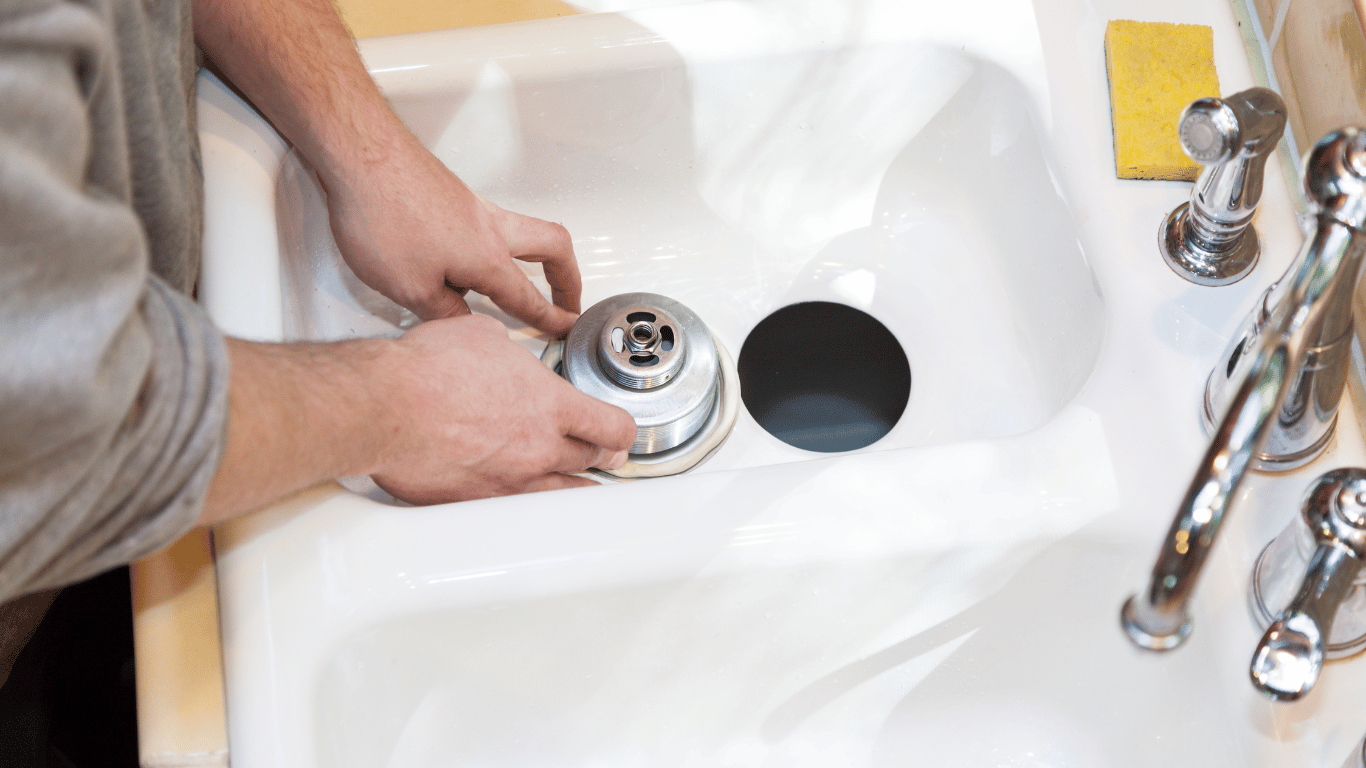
[{"x": 449, "y": 302}]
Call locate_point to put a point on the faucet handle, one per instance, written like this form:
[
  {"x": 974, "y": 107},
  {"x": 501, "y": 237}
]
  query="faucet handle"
[
  {"x": 1335, "y": 177},
  {"x": 1209, "y": 240},
  {"x": 1287, "y": 661}
]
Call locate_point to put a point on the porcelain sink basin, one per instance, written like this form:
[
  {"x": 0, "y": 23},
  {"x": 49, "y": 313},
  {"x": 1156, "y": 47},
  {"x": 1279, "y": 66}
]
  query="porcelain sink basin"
[
  {"x": 908, "y": 180},
  {"x": 947, "y": 596}
]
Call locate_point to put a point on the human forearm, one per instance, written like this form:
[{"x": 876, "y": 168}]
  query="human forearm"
[
  {"x": 296, "y": 61},
  {"x": 299, "y": 414},
  {"x": 404, "y": 223},
  {"x": 452, "y": 410}
]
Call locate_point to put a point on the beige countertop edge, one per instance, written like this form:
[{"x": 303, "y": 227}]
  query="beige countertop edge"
[{"x": 178, "y": 657}]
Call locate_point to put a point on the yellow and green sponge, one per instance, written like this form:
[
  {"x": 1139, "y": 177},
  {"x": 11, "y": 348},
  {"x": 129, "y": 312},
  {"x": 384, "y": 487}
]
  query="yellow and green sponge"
[{"x": 1155, "y": 70}]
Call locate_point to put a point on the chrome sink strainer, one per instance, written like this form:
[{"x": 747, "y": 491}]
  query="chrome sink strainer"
[{"x": 656, "y": 359}]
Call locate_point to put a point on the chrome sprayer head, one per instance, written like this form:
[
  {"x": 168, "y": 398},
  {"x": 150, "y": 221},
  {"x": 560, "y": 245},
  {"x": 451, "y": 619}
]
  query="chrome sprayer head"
[{"x": 1210, "y": 239}]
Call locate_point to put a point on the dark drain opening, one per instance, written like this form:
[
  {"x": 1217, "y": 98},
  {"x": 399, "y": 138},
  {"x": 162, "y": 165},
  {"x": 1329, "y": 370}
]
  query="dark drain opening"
[{"x": 824, "y": 377}]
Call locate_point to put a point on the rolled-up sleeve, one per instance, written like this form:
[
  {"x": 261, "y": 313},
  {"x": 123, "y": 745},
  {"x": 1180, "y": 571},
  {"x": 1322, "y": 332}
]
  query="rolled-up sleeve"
[{"x": 113, "y": 386}]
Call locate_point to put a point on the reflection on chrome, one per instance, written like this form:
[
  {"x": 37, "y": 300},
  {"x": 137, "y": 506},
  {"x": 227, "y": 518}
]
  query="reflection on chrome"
[{"x": 1290, "y": 655}]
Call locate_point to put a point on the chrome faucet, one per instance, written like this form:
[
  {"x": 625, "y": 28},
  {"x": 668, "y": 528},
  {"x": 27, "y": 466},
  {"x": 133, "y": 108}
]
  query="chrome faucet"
[
  {"x": 1210, "y": 240},
  {"x": 1277, "y": 385}
]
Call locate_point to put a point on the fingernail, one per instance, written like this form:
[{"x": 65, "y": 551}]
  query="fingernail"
[{"x": 615, "y": 460}]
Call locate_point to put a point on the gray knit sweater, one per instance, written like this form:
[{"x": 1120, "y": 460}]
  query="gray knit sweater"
[{"x": 113, "y": 384}]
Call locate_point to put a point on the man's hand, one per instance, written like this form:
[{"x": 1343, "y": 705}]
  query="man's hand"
[
  {"x": 475, "y": 415},
  {"x": 451, "y": 410},
  {"x": 404, "y": 223},
  {"x": 414, "y": 232}
]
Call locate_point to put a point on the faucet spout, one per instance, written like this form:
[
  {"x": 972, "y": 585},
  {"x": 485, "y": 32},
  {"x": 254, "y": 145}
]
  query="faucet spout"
[
  {"x": 1277, "y": 385},
  {"x": 1158, "y": 618}
]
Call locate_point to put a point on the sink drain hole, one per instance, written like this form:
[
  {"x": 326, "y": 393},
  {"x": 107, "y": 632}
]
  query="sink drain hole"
[{"x": 824, "y": 377}]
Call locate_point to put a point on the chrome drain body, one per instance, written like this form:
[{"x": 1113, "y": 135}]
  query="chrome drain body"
[{"x": 652, "y": 357}]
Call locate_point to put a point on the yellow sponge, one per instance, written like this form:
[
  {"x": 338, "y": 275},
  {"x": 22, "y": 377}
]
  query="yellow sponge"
[{"x": 1156, "y": 69}]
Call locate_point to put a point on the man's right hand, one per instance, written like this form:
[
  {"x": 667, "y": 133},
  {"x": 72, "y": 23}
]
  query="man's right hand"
[
  {"x": 473, "y": 414},
  {"x": 451, "y": 410}
]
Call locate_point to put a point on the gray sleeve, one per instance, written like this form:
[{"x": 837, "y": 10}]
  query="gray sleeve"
[{"x": 113, "y": 387}]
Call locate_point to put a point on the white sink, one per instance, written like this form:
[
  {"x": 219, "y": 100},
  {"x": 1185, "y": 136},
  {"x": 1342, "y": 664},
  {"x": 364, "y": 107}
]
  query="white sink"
[
  {"x": 906, "y": 179},
  {"x": 947, "y": 596}
]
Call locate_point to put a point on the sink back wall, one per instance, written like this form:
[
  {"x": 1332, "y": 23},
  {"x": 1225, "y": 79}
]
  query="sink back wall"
[{"x": 912, "y": 182}]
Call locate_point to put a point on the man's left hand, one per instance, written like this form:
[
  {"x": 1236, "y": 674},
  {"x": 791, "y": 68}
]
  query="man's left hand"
[{"x": 414, "y": 232}]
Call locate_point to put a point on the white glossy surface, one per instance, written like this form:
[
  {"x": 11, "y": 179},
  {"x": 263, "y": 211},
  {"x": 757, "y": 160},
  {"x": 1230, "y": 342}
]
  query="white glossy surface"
[
  {"x": 907, "y": 180},
  {"x": 948, "y": 596}
]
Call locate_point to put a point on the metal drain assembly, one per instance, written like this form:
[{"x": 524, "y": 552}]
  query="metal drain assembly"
[
  {"x": 640, "y": 348},
  {"x": 657, "y": 360}
]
